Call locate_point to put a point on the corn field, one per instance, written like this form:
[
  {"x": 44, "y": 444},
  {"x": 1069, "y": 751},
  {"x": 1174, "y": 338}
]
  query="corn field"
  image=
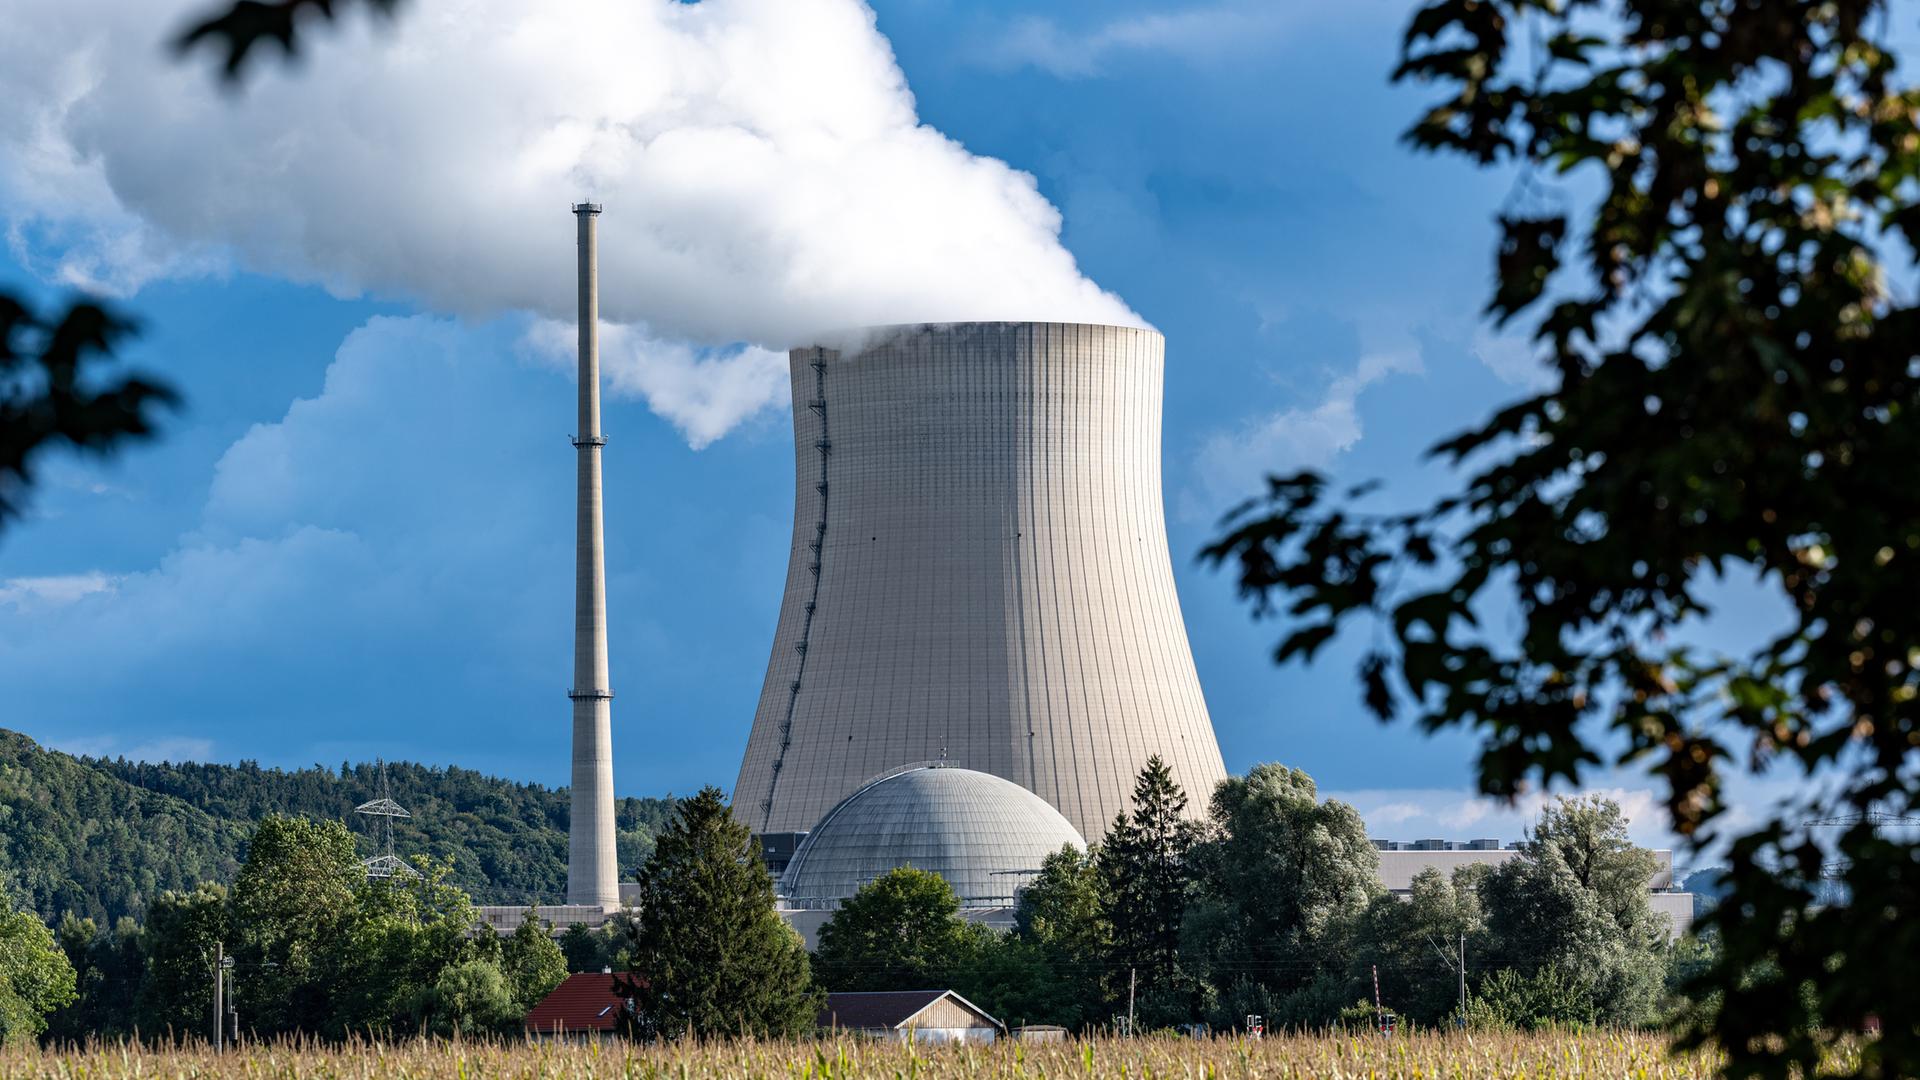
[{"x": 1290, "y": 1057}]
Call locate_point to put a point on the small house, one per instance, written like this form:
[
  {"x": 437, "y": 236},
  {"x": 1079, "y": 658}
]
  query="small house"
[
  {"x": 921, "y": 1016},
  {"x": 582, "y": 1008}
]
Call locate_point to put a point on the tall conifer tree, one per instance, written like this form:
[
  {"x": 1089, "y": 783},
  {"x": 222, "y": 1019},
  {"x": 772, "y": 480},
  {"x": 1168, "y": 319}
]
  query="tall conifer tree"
[
  {"x": 711, "y": 957},
  {"x": 1144, "y": 864}
]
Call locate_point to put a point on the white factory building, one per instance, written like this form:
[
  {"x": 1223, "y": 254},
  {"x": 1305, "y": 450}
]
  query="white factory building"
[{"x": 1401, "y": 862}]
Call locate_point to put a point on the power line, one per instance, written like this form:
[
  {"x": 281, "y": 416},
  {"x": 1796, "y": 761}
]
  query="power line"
[{"x": 1876, "y": 818}]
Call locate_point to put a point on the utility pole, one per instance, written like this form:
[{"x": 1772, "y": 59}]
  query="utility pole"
[
  {"x": 1131, "y": 973},
  {"x": 1379, "y": 1014},
  {"x": 1463, "y": 979},
  {"x": 233, "y": 1008},
  {"x": 219, "y": 1005}
]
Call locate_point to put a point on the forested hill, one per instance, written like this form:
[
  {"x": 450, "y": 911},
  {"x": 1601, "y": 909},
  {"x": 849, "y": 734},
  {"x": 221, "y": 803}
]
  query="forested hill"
[{"x": 100, "y": 836}]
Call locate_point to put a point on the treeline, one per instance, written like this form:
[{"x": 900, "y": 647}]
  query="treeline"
[
  {"x": 74, "y": 838},
  {"x": 1271, "y": 907},
  {"x": 1268, "y": 907},
  {"x": 313, "y": 946},
  {"x": 101, "y": 838}
]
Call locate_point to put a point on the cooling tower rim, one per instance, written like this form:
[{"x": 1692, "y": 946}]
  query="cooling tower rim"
[{"x": 855, "y": 339}]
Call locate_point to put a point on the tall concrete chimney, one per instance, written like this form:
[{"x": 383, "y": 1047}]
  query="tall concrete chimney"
[{"x": 593, "y": 876}]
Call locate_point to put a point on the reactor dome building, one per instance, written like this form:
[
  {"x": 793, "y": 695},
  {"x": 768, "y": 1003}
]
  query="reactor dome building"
[
  {"x": 985, "y": 835},
  {"x": 979, "y": 577}
]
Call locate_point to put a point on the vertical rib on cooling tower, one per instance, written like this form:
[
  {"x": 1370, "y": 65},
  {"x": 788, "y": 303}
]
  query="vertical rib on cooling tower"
[{"x": 979, "y": 572}]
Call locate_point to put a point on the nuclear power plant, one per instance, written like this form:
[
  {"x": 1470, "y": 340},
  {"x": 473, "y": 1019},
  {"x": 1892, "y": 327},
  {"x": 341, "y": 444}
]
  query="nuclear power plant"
[
  {"x": 978, "y": 580},
  {"x": 979, "y": 647}
]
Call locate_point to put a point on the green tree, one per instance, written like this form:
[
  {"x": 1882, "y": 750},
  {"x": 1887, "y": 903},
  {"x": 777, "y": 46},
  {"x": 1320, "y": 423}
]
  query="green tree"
[
  {"x": 1013, "y": 979},
  {"x": 903, "y": 931},
  {"x": 35, "y": 977},
  {"x": 712, "y": 956},
  {"x": 594, "y": 948},
  {"x": 403, "y": 933},
  {"x": 1144, "y": 877},
  {"x": 1281, "y": 881},
  {"x": 1575, "y": 901},
  {"x": 469, "y": 998},
  {"x": 108, "y": 967},
  {"x": 294, "y": 904},
  {"x": 1730, "y": 391},
  {"x": 532, "y": 962},
  {"x": 900, "y": 931},
  {"x": 1416, "y": 942},
  {"x": 176, "y": 997},
  {"x": 1062, "y": 913},
  {"x": 1510, "y": 999},
  {"x": 1687, "y": 959}
]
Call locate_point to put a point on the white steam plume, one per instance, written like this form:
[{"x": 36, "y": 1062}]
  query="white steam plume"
[{"x": 763, "y": 170}]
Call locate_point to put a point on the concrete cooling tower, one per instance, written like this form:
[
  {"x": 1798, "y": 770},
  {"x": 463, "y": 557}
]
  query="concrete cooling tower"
[{"x": 979, "y": 575}]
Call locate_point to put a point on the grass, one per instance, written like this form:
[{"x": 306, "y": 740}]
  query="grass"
[{"x": 1292, "y": 1057}]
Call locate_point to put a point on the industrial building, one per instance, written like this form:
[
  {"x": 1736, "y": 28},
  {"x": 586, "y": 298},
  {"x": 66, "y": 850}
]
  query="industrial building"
[
  {"x": 1402, "y": 861},
  {"x": 985, "y": 835},
  {"x": 979, "y": 646},
  {"x": 978, "y": 578}
]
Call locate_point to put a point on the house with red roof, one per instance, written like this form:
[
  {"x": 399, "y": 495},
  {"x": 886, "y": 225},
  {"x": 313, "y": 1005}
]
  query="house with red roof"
[{"x": 582, "y": 1008}]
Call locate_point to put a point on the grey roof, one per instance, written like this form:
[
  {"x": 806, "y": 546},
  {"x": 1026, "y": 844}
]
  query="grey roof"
[
  {"x": 987, "y": 836},
  {"x": 888, "y": 1009}
]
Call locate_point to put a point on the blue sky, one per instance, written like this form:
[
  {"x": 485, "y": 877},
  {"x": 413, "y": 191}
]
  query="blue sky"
[{"x": 355, "y": 540}]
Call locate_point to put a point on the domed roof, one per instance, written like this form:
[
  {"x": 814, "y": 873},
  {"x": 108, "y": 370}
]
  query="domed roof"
[{"x": 985, "y": 835}]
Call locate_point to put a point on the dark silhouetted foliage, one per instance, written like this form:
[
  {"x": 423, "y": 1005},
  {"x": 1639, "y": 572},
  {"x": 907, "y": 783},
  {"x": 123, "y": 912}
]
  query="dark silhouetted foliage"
[
  {"x": 236, "y": 30},
  {"x": 55, "y": 390},
  {"x": 1733, "y": 390}
]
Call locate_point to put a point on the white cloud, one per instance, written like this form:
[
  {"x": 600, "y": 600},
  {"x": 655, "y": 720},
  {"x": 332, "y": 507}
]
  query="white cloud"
[
  {"x": 1196, "y": 34},
  {"x": 703, "y": 392},
  {"x": 174, "y": 748},
  {"x": 764, "y": 174},
  {"x": 1512, "y": 358},
  {"x": 342, "y": 514},
  {"x": 415, "y": 512},
  {"x": 30, "y": 593},
  {"x": 1232, "y": 464}
]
